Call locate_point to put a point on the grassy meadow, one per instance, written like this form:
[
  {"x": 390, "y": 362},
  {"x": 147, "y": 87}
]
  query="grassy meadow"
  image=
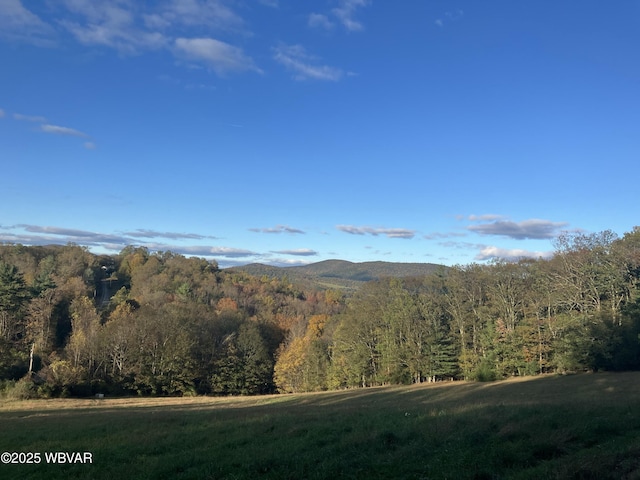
[{"x": 581, "y": 427}]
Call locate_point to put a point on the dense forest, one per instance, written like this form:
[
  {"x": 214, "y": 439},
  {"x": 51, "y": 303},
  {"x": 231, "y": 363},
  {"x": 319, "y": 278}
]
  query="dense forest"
[{"x": 157, "y": 323}]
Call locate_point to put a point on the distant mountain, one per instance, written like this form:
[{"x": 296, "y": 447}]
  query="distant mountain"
[{"x": 340, "y": 273}]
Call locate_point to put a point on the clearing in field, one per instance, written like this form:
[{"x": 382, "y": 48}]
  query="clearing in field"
[{"x": 581, "y": 426}]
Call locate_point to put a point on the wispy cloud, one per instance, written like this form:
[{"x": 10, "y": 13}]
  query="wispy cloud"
[
  {"x": 47, "y": 235},
  {"x": 125, "y": 41},
  {"x": 303, "y": 65},
  {"x": 219, "y": 56},
  {"x": 461, "y": 245},
  {"x": 531, "y": 229},
  {"x": 57, "y": 230},
  {"x": 143, "y": 233},
  {"x": 29, "y": 118},
  {"x": 132, "y": 28},
  {"x": 212, "y": 14},
  {"x": 487, "y": 217},
  {"x": 270, "y": 3},
  {"x": 286, "y": 262},
  {"x": 303, "y": 252},
  {"x": 58, "y": 130},
  {"x": 345, "y": 14},
  {"x": 439, "y": 236},
  {"x": 1, "y": 113},
  {"x": 110, "y": 24},
  {"x": 491, "y": 252},
  {"x": 205, "y": 251},
  {"x": 449, "y": 16},
  {"x": 20, "y": 24},
  {"x": 454, "y": 15},
  {"x": 319, "y": 20},
  {"x": 54, "y": 129},
  {"x": 277, "y": 229},
  {"x": 388, "y": 232}
]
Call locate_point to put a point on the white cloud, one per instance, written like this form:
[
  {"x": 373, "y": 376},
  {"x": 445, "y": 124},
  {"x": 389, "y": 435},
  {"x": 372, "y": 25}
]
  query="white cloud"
[
  {"x": 213, "y": 14},
  {"x": 155, "y": 21},
  {"x": 201, "y": 250},
  {"x": 111, "y": 25},
  {"x": 189, "y": 250},
  {"x": 287, "y": 262},
  {"x": 303, "y": 252},
  {"x": 57, "y": 130},
  {"x": 101, "y": 23},
  {"x": 345, "y": 13},
  {"x": 106, "y": 11},
  {"x": 117, "y": 23},
  {"x": 388, "y": 232},
  {"x": 47, "y": 235},
  {"x": 219, "y": 56},
  {"x": 318, "y": 20},
  {"x": 60, "y": 235},
  {"x": 57, "y": 231},
  {"x": 134, "y": 27},
  {"x": 19, "y": 23},
  {"x": 491, "y": 252},
  {"x": 296, "y": 59},
  {"x": 144, "y": 233},
  {"x": 12, "y": 12},
  {"x": 1, "y": 113},
  {"x": 439, "y": 22}
]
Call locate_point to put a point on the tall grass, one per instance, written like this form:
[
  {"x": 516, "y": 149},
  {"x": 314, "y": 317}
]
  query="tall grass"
[{"x": 582, "y": 427}]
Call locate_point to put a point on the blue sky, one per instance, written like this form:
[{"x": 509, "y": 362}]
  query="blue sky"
[{"x": 289, "y": 132}]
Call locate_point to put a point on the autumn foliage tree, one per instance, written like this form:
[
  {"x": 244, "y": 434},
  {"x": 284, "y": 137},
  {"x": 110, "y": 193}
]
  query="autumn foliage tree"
[{"x": 302, "y": 361}]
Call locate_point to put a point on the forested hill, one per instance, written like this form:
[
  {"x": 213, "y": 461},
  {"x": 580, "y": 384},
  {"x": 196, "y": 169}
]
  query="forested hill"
[
  {"x": 340, "y": 273},
  {"x": 159, "y": 323}
]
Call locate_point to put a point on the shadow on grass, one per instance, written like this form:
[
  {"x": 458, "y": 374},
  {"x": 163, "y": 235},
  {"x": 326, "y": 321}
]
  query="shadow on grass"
[
  {"x": 520, "y": 391},
  {"x": 582, "y": 426}
]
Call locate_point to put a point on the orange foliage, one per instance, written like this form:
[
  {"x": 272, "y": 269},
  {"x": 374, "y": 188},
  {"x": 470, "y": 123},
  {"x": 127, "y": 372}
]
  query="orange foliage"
[{"x": 226, "y": 304}]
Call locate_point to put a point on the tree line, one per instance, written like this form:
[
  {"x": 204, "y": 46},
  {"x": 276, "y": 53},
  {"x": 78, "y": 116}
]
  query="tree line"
[{"x": 158, "y": 323}]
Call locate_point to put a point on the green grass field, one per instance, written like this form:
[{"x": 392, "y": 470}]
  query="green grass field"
[{"x": 581, "y": 427}]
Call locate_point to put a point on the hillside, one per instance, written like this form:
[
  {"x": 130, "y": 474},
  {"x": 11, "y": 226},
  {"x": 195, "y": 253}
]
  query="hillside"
[{"x": 341, "y": 273}]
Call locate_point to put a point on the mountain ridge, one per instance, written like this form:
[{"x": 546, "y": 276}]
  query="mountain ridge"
[{"x": 343, "y": 274}]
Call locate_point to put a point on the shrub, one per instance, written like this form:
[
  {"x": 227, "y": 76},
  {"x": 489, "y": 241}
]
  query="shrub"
[
  {"x": 484, "y": 372},
  {"x": 23, "y": 389}
]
